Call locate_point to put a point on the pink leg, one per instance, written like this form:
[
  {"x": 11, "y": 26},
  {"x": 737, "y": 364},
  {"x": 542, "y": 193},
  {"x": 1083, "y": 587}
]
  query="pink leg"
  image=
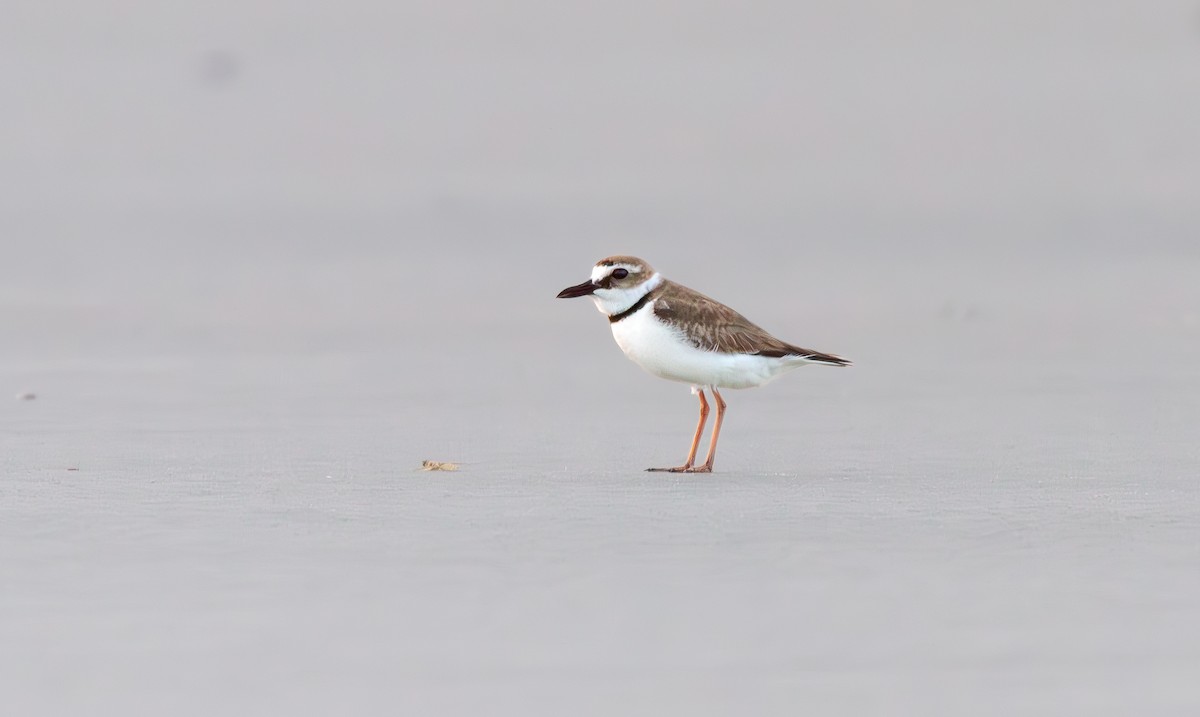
[
  {"x": 712, "y": 446},
  {"x": 687, "y": 467}
]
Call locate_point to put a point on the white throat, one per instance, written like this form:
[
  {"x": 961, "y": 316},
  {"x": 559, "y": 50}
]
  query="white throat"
[{"x": 614, "y": 301}]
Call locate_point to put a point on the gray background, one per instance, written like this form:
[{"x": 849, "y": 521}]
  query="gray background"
[{"x": 260, "y": 260}]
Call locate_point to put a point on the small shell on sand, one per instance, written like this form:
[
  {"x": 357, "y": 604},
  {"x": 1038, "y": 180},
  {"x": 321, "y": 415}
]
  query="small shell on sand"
[{"x": 438, "y": 466}]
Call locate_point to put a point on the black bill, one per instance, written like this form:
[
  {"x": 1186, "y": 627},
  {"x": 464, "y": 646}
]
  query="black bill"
[{"x": 584, "y": 289}]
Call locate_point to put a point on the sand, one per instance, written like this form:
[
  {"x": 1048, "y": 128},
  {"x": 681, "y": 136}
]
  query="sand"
[{"x": 259, "y": 266}]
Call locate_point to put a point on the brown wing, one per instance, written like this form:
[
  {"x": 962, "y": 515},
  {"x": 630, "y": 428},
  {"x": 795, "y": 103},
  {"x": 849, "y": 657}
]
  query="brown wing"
[{"x": 715, "y": 327}]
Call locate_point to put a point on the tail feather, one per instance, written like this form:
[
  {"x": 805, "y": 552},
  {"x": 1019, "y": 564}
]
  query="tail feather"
[
  {"x": 808, "y": 355},
  {"x": 828, "y": 359}
]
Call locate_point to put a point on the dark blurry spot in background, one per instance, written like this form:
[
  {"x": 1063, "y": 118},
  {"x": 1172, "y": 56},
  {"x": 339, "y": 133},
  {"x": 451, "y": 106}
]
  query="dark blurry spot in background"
[{"x": 219, "y": 68}]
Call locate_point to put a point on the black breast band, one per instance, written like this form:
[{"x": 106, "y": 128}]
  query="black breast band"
[{"x": 614, "y": 318}]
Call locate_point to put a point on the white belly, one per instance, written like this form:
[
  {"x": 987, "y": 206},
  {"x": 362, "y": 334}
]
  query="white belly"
[{"x": 665, "y": 352}]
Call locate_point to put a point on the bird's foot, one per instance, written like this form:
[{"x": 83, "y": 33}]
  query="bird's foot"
[{"x": 682, "y": 469}]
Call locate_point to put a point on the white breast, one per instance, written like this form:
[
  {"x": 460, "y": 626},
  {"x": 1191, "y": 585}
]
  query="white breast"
[{"x": 664, "y": 351}]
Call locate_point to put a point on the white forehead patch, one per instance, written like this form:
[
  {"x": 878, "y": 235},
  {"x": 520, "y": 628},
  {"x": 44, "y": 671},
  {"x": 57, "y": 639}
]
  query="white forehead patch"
[{"x": 602, "y": 270}]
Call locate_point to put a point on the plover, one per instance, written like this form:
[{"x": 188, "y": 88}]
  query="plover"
[{"x": 682, "y": 335}]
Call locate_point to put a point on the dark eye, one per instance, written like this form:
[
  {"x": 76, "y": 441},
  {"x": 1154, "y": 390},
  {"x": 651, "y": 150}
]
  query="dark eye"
[{"x": 620, "y": 273}]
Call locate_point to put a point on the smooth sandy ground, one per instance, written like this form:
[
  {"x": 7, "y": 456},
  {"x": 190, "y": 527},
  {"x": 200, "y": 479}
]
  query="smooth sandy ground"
[{"x": 257, "y": 266}]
